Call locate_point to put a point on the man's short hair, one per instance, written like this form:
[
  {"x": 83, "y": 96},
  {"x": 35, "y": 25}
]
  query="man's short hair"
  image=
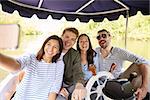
[
  {"x": 71, "y": 29},
  {"x": 104, "y": 30}
]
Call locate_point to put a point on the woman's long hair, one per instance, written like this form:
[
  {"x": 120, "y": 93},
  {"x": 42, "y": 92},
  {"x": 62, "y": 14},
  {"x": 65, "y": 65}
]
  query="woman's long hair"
[
  {"x": 90, "y": 52},
  {"x": 41, "y": 51}
]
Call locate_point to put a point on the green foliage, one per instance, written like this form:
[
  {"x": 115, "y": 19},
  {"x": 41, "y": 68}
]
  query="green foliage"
[
  {"x": 138, "y": 31},
  {"x": 33, "y": 32},
  {"x": 138, "y": 26},
  {"x": 9, "y": 18}
]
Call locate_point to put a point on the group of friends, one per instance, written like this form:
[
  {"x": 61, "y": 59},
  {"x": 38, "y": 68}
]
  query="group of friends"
[{"x": 60, "y": 72}]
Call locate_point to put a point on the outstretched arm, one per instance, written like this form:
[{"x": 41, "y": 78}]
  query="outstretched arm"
[{"x": 8, "y": 63}]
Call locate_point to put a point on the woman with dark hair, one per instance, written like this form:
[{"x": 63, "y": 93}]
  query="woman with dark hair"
[
  {"x": 88, "y": 56},
  {"x": 43, "y": 73}
]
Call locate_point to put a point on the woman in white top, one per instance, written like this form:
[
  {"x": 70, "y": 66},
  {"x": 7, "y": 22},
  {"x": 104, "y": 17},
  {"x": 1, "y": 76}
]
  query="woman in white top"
[
  {"x": 88, "y": 56},
  {"x": 44, "y": 71}
]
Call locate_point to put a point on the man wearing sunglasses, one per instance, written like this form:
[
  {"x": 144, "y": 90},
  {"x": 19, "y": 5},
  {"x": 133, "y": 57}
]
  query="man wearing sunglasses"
[{"x": 111, "y": 59}]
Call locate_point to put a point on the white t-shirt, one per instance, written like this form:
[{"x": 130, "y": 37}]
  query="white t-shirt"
[{"x": 117, "y": 56}]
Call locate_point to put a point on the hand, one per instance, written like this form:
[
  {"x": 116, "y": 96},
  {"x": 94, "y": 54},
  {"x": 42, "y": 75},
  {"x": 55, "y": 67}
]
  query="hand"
[
  {"x": 141, "y": 93},
  {"x": 112, "y": 68},
  {"x": 79, "y": 92},
  {"x": 92, "y": 68},
  {"x": 64, "y": 93}
]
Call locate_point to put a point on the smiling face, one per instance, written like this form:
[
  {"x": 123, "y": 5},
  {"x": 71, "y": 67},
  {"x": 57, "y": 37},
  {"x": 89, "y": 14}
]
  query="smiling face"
[
  {"x": 69, "y": 39},
  {"x": 51, "y": 48},
  {"x": 104, "y": 39},
  {"x": 84, "y": 43}
]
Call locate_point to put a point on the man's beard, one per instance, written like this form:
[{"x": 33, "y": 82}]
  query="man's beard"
[{"x": 104, "y": 46}]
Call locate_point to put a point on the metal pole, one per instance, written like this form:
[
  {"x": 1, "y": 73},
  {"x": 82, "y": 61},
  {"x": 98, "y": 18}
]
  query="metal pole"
[{"x": 126, "y": 29}]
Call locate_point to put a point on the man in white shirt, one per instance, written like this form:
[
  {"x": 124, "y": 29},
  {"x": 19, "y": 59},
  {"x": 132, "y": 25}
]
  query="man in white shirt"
[{"x": 111, "y": 59}]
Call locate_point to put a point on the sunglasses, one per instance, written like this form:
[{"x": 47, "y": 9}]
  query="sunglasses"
[{"x": 101, "y": 36}]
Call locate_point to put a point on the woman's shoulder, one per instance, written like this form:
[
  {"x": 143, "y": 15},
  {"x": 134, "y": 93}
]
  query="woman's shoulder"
[{"x": 27, "y": 56}]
